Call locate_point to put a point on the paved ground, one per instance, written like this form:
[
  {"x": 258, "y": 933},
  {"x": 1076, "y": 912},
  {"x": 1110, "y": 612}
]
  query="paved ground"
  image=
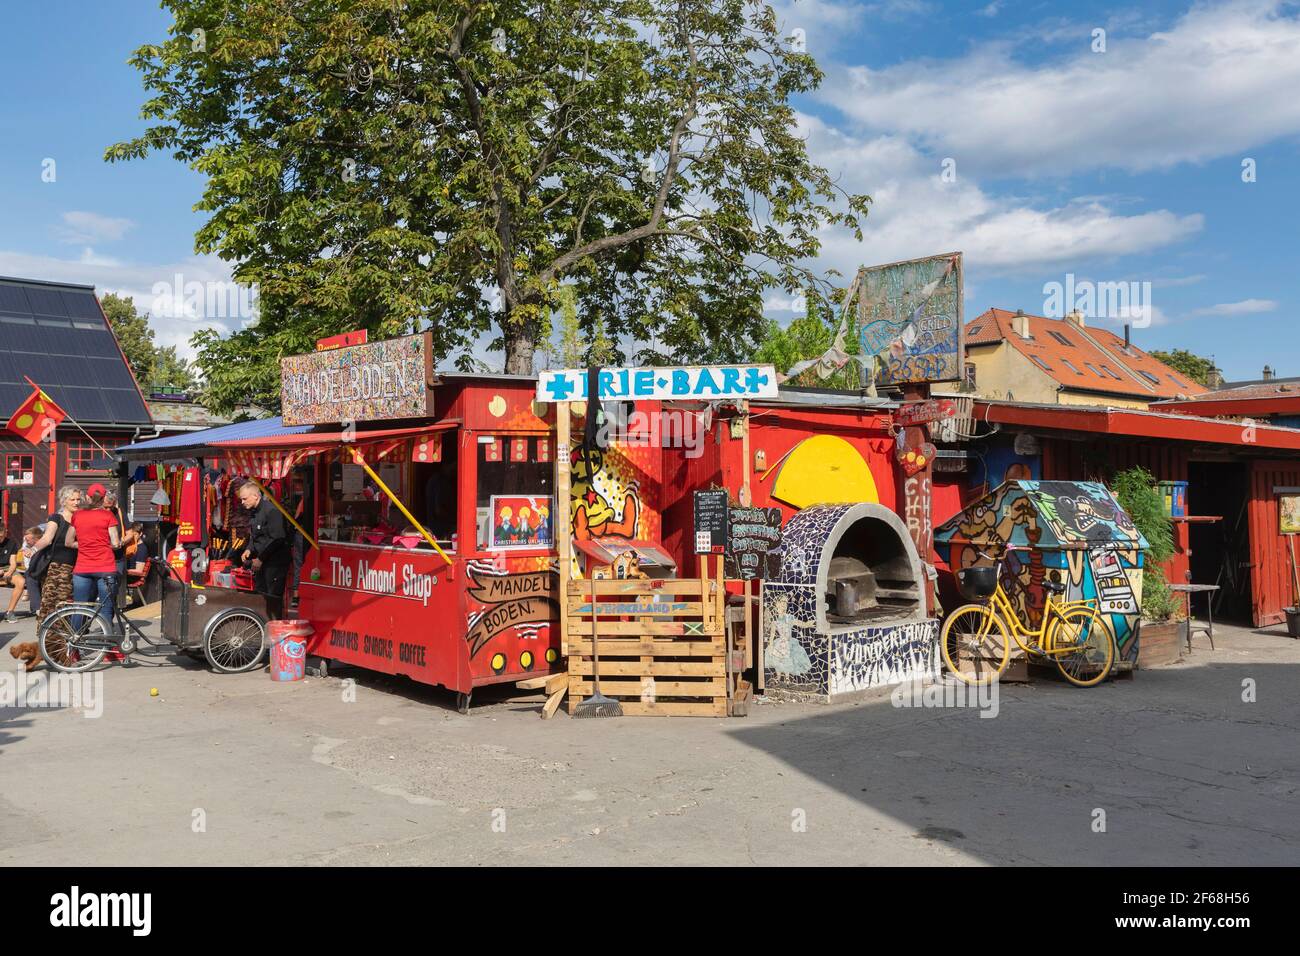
[{"x": 1185, "y": 771}]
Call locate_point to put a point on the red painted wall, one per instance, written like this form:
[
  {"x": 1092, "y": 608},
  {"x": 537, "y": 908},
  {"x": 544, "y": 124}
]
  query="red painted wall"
[{"x": 1270, "y": 573}]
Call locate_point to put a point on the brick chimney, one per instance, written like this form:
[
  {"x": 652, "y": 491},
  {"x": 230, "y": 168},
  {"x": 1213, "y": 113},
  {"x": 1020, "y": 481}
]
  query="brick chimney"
[
  {"x": 1020, "y": 324},
  {"x": 1268, "y": 373},
  {"x": 1076, "y": 317}
]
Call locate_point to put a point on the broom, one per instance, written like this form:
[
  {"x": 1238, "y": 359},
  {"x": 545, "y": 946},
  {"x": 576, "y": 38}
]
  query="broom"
[
  {"x": 1295, "y": 572},
  {"x": 597, "y": 705}
]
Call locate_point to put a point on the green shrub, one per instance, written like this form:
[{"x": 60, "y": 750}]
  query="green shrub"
[{"x": 1137, "y": 493}]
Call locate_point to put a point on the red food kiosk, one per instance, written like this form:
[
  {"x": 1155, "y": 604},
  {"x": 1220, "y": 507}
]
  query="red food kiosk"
[{"x": 430, "y": 526}]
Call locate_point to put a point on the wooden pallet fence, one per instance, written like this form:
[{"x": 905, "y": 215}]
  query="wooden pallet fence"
[{"x": 662, "y": 643}]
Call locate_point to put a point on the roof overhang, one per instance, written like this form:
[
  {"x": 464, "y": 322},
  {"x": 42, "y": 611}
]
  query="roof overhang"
[
  {"x": 1245, "y": 407},
  {"x": 1132, "y": 423}
]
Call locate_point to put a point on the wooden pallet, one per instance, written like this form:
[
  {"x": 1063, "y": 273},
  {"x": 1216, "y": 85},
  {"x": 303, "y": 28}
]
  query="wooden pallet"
[{"x": 661, "y": 641}]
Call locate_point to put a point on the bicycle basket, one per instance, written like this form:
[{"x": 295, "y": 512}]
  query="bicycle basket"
[{"x": 977, "y": 584}]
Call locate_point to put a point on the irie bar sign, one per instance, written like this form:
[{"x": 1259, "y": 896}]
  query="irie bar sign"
[{"x": 368, "y": 382}]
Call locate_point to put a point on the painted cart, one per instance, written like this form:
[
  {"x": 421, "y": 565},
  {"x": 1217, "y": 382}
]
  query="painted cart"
[{"x": 1071, "y": 532}]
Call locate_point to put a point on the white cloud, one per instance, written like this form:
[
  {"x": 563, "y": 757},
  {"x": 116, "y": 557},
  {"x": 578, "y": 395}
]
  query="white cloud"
[
  {"x": 1208, "y": 87},
  {"x": 914, "y": 213},
  {"x": 1244, "y": 307},
  {"x": 86, "y": 228}
]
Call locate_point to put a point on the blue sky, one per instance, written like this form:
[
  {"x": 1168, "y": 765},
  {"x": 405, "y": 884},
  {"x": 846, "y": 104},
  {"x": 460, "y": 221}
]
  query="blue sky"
[{"x": 1122, "y": 164}]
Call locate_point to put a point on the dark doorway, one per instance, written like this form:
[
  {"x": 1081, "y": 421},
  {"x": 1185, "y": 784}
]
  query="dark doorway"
[{"x": 1221, "y": 549}]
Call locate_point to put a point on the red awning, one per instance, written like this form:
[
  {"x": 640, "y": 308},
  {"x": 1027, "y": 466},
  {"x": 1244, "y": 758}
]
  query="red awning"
[
  {"x": 332, "y": 439},
  {"x": 272, "y": 457}
]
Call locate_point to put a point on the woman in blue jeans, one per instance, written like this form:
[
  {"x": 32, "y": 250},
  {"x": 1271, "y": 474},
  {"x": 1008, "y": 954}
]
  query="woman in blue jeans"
[{"x": 97, "y": 536}]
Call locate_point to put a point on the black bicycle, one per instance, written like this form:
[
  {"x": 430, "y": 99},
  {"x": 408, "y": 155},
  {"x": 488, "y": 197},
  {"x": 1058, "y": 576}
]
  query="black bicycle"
[{"x": 77, "y": 638}]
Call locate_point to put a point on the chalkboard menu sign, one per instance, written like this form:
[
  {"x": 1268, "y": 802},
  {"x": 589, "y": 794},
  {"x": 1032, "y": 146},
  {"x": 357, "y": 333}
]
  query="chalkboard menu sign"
[
  {"x": 753, "y": 543},
  {"x": 711, "y": 521}
]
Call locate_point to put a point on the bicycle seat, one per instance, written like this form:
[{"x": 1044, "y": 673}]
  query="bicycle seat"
[{"x": 1054, "y": 587}]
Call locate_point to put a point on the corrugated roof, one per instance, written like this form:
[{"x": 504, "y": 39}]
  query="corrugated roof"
[
  {"x": 1085, "y": 359},
  {"x": 191, "y": 443},
  {"x": 56, "y": 334}
]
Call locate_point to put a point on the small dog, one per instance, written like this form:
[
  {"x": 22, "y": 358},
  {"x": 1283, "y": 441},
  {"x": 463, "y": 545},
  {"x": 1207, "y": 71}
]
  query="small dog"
[{"x": 28, "y": 652}]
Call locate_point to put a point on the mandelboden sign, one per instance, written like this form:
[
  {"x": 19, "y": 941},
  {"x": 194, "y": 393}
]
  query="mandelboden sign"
[
  {"x": 662, "y": 384},
  {"x": 370, "y": 382}
]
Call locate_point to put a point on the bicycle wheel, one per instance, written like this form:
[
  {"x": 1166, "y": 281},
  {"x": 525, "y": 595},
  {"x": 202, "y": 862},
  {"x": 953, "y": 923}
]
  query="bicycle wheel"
[
  {"x": 73, "y": 639},
  {"x": 1092, "y": 653},
  {"x": 235, "y": 642},
  {"x": 976, "y": 646}
]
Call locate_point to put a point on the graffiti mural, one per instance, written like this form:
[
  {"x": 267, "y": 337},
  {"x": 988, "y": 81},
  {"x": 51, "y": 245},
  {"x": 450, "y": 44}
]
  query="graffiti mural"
[
  {"x": 606, "y": 498},
  {"x": 877, "y": 656},
  {"x": 512, "y": 612},
  {"x": 1068, "y": 532}
]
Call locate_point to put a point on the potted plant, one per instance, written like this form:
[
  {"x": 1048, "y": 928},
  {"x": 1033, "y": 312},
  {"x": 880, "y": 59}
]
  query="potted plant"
[{"x": 1159, "y": 631}]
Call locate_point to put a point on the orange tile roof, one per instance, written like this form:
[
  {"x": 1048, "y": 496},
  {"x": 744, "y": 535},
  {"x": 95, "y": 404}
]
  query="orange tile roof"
[{"x": 1088, "y": 359}]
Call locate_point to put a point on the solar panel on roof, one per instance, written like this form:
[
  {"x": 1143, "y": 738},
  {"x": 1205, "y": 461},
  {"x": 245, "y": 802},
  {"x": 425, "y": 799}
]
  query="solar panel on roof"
[
  {"x": 84, "y": 404},
  {"x": 13, "y": 299},
  {"x": 82, "y": 305},
  {"x": 111, "y": 374},
  {"x": 46, "y": 302},
  {"x": 124, "y": 405},
  {"x": 57, "y": 336},
  {"x": 99, "y": 344}
]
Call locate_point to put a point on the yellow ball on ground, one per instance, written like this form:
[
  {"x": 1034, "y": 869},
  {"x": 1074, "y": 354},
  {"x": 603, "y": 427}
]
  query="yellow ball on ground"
[{"x": 153, "y": 691}]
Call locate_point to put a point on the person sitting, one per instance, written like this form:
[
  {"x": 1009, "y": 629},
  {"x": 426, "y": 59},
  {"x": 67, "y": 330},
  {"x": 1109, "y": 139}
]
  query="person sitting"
[
  {"x": 137, "y": 564},
  {"x": 13, "y": 564}
]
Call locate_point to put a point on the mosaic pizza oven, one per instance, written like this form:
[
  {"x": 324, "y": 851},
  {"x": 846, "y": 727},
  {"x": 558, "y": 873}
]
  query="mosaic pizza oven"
[{"x": 847, "y": 611}]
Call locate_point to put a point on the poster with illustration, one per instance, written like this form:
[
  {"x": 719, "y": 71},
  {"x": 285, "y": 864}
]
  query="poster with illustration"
[
  {"x": 1288, "y": 506},
  {"x": 521, "y": 521}
]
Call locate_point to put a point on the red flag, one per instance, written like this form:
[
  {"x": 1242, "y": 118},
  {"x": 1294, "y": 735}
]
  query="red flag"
[{"x": 36, "y": 418}]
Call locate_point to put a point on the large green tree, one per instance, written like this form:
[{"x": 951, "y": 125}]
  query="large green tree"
[
  {"x": 1195, "y": 367},
  {"x": 397, "y": 164},
  {"x": 808, "y": 336}
]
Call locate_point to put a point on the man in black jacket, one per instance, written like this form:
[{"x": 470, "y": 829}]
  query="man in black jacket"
[{"x": 268, "y": 548}]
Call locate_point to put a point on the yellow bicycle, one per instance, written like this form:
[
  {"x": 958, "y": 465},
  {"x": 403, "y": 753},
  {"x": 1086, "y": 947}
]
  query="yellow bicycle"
[{"x": 976, "y": 637}]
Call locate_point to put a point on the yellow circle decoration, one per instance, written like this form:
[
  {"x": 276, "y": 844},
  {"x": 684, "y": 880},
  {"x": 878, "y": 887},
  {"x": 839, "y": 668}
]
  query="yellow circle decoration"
[
  {"x": 24, "y": 422},
  {"x": 526, "y": 660},
  {"x": 497, "y": 407},
  {"x": 552, "y": 655},
  {"x": 498, "y": 663},
  {"x": 824, "y": 469}
]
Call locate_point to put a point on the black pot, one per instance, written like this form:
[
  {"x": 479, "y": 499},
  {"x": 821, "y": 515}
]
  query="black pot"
[{"x": 1292, "y": 621}]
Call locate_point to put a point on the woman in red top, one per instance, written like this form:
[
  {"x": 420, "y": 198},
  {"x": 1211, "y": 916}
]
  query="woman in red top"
[{"x": 97, "y": 535}]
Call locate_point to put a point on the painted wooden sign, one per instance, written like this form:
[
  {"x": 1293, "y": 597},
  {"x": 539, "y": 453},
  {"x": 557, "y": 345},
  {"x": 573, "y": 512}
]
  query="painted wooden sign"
[
  {"x": 697, "y": 382},
  {"x": 368, "y": 382},
  {"x": 920, "y": 413},
  {"x": 359, "y": 337},
  {"x": 910, "y": 316}
]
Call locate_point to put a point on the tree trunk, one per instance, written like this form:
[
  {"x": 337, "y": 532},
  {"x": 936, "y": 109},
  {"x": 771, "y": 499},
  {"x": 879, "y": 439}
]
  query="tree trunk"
[{"x": 521, "y": 343}]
